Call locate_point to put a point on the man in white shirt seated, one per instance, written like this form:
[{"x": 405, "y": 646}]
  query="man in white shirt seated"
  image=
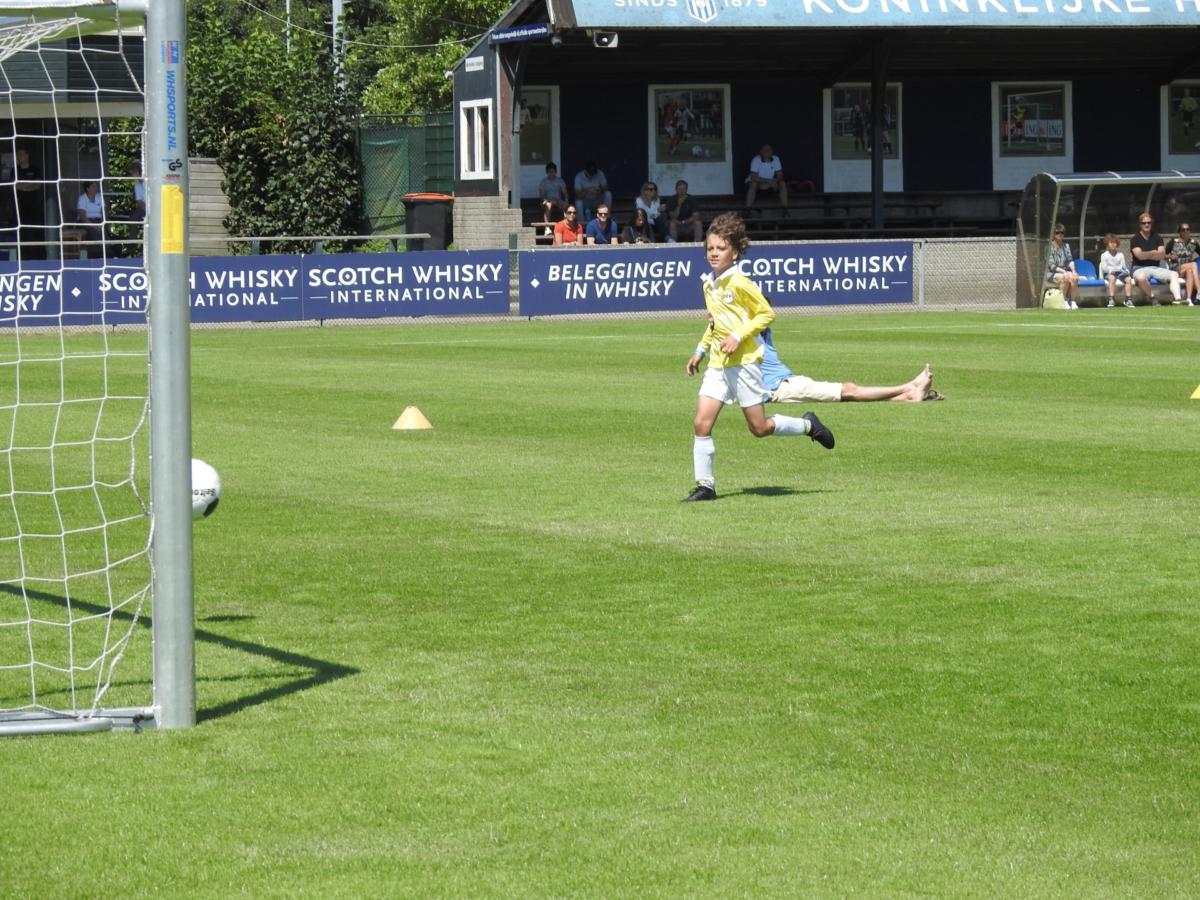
[
  {"x": 89, "y": 210},
  {"x": 766, "y": 174}
]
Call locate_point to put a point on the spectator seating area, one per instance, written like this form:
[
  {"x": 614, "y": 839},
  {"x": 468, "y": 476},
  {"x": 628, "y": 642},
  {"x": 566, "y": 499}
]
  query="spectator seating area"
[
  {"x": 1092, "y": 289},
  {"x": 820, "y": 216}
]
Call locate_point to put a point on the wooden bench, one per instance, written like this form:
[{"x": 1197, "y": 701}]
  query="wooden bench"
[
  {"x": 73, "y": 246},
  {"x": 817, "y": 215},
  {"x": 543, "y": 233}
]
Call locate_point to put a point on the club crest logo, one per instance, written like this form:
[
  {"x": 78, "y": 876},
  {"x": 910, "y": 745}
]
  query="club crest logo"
[{"x": 703, "y": 11}]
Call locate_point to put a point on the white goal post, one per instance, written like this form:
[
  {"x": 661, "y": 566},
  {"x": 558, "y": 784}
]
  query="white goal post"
[{"x": 95, "y": 441}]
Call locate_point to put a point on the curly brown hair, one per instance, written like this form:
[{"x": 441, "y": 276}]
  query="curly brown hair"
[{"x": 730, "y": 228}]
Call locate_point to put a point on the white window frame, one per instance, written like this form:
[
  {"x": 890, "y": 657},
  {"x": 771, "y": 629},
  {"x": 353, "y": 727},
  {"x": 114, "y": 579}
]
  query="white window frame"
[
  {"x": 1187, "y": 162},
  {"x": 473, "y": 138}
]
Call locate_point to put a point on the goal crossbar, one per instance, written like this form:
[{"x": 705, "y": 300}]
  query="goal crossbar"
[{"x": 25, "y": 24}]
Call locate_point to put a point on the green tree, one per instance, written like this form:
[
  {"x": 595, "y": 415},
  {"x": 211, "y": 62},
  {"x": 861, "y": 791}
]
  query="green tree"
[
  {"x": 400, "y": 50},
  {"x": 282, "y": 124},
  {"x": 276, "y": 120}
]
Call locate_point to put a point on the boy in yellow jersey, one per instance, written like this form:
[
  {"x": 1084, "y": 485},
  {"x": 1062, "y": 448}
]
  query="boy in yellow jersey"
[{"x": 739, "y": 314}]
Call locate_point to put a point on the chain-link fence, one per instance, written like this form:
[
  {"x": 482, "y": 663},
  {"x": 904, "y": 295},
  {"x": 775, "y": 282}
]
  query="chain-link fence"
[
  {"x": 966, "y": 273},
  {"x": 401, "y": 155}
]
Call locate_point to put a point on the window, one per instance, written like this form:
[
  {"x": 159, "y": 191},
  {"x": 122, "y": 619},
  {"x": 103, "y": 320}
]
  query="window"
[
  {"x": 536, "y": 124},
  {"x": 475, "y": 135}
]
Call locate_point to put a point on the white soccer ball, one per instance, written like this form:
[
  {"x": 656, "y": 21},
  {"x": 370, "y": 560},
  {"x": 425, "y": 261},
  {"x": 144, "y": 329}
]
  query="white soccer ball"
[
  {"x": 697, "y": 150},
  {"x": 206, "y": 489}
]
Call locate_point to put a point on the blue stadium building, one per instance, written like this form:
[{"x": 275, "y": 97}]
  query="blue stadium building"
[{"x": 971, "y": 99}]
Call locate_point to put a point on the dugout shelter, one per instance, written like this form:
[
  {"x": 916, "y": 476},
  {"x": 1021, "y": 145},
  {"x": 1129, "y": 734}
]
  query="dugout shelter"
[
  {"x": 971, "y": 97},
  {"x": 1091, "y": 205}
]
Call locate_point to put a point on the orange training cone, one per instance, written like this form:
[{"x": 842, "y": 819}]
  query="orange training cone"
[{"x": 411, "y": 419}]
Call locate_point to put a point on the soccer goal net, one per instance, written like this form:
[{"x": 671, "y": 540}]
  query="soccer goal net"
[{"x": 77, "y": 537}]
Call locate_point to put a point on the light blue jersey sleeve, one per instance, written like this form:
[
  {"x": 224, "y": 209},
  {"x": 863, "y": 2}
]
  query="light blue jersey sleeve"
[{"x": 773, "y": 371}]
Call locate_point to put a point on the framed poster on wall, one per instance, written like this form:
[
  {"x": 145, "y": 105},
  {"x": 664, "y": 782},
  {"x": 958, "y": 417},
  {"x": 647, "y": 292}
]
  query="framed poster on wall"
[
  {"x": 690, "y": 124},
  {"x": 1031, "y": 131},
  {"x": 689, "y": 136},
  {"x": 1032, "y": 120},
  {"x": 851, "y": 121},
  {"x": 847, "y": 137}
]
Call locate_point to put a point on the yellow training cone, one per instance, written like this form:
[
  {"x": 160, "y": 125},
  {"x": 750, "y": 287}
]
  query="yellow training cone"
[
  {"x": 411, "y": 419},
  {"x": 1196, "y": 394}
]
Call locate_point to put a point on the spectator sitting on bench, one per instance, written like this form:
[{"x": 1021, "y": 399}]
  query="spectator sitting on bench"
[
  {"x": 553, "y": 193},
  {"x": 766, "y": 174},
  {"x": 680, "y": 212},
  {"x": 1060, "y": 268},
  {"x": 568, "y": 232},
  {"x": 602, "y": 229},
  {"x": 1113, "y": 268},
  {"x": 639, "y": 230},
  {"x": 89, "y": 209},
  {"x": 30, "y": 205},
  {"x": 647, "y": 201},
  {"x": 1181, "y": 254},
  {"x": 1148, "y": 252},
  {"x": 591, "y": 189}
]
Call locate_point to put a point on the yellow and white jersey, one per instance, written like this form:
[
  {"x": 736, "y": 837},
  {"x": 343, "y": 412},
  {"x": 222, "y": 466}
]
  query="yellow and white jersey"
[{"x": 736, "y": 306}]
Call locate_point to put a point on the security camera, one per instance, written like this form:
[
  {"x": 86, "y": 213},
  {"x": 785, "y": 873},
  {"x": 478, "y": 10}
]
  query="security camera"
[
  {"x": 606, "y": 39},
  {"x": 556, "y": 40}
]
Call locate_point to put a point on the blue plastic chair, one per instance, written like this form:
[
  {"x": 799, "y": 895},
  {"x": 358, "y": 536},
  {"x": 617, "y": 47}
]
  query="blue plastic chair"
[{"x": 1086, "y": 270}]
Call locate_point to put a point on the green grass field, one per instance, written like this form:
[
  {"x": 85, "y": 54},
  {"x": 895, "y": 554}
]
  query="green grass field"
[{"x": 959, "y": 655}]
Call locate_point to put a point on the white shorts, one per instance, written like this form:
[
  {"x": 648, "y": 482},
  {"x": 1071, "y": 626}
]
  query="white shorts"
[
  {"x": 742, "y": 384},
  {"x": 1160, "y": 274},
  {"x": 802, "y": 389}
]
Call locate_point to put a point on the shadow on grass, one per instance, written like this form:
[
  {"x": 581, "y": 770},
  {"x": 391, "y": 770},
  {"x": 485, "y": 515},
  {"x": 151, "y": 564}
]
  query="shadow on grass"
[
  {"x": 772, "y": 490},
  {"x": 315, "y": 671}
]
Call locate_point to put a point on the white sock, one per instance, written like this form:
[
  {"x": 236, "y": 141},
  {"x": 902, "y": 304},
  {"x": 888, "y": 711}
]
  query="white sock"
[
  {"x": 788, "y": 425},
  {"x": 703, "y": 451}
]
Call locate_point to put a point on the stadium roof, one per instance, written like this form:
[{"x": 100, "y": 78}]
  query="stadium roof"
[{"x": 834, "y": 40}]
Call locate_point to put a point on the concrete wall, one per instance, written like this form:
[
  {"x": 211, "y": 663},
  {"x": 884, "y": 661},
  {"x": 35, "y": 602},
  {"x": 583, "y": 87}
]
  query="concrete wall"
[{"x": 484, "y": 223}]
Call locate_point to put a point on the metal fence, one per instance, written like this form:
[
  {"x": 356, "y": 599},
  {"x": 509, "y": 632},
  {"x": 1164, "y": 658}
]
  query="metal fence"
[{"x": 401, "y": 155}]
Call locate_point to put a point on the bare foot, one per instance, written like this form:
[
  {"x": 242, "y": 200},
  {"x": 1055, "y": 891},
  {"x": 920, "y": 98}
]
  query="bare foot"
[
  {"x": 919, "y": 385},
  {"x": 925, "y": 379}
]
